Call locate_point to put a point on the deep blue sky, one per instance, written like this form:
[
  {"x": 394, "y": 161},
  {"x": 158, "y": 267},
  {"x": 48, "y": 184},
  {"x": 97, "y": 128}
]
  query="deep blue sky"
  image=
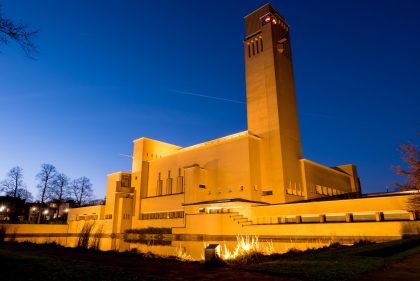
[{"x": 109, "y": 72}]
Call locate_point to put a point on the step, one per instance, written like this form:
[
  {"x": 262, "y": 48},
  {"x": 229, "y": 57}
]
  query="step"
[{"x": 236, "y": 216}]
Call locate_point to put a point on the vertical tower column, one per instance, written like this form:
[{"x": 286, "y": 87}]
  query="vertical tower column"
[{"x": 271, "y": 101}]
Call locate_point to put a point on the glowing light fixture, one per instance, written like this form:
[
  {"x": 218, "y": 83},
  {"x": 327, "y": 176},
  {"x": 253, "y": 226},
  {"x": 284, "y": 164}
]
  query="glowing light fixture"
[
  {"x": 2, "y": 208},
  {"x": 45, "y": 212}
]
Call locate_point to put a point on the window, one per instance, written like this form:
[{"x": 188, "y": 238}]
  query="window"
[
  {"x": 125, "y": 180},
  {"x": 180, "y": 184},
  {"x": 202, "y": 186},
  {"x": 162, "y": 215},
  {"x": 169, "y": 186},
  {"x": 267, "y": 193},
  {"x": 159, "y": 186}
]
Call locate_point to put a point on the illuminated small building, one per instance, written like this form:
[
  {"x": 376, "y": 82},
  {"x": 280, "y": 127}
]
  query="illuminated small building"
[{"x": 12, "y": 209}]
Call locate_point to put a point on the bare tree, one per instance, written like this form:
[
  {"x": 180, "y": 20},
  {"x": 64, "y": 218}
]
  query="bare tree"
[
  {"x": 19, "y": 33},
  {"x": 13, "y": 182},
  {"x": 411, "y": 156},
  {"x": 46, "y": 180},
  {"x": 82, "y": 190},
  {"x": 60, "y": 189},
  {"x": 24, "y": 194}
]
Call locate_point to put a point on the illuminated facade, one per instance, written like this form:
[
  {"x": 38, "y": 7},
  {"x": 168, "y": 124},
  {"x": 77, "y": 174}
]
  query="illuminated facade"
[{"x": 252, "y": 173}]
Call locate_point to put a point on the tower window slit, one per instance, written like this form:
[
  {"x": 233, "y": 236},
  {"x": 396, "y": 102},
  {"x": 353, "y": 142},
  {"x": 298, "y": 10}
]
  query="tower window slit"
[
  {"x": 258, "y": 46},
  {"x": 249, "y": 50},
  {"x": 253, "y": 49},
  {"x": 261, "y": 44}
]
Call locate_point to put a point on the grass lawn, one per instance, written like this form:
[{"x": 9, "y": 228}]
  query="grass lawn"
[
  {"x": 26, "y": 261},
  {"x": 349, "y": 263},
  {"x": 23, "y": 265}
]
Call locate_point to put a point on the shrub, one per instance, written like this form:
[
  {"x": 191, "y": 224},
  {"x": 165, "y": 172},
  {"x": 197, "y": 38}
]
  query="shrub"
[
  {"x": 363, "y": 242},
  {"x": 83, "y": 241},
  {"x": 97, "y": 238}
]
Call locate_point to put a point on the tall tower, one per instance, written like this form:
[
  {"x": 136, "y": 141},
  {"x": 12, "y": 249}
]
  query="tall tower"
[{"x": 271, "y": 101}]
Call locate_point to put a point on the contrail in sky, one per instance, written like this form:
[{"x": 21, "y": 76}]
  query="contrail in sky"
[
  {"x": 237, "y": 101},
  {"x": 205, "y": 96},
  {"x": 125, "y": 155}
]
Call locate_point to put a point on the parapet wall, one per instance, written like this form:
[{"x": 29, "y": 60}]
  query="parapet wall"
[{"x": 210, "y": 225}]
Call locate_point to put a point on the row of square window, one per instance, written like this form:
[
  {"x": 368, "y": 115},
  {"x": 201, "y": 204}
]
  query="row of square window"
[
  {"x": 162, "y": 215},
  {"x": 86, "y": 217},
  {"x": 329, "y": 191}
]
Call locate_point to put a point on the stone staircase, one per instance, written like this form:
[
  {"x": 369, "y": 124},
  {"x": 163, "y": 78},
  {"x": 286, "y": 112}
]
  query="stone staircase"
[{"x": 240, "y": 219}]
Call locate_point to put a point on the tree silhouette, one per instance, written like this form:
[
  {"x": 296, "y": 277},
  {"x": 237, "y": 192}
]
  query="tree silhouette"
[
  {"x": 411, "y": 156},
  {"x": 24, "y": 194},
  {"x": 19, "y": 33},
  {"x": 46, "y": 181},
  {"x": 82, "y": 190},
  {"x": 60, "y": 189},
  {"x": 13, "y": 184}
]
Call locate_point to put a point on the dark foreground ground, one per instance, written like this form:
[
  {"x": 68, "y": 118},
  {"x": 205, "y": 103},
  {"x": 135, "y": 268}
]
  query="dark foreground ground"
[{"x": 397, "y": 260}]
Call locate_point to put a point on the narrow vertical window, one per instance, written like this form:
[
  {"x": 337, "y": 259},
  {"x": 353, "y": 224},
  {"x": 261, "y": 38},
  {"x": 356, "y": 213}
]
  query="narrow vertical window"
[
  {"x": 169, "y": 184},
  {"x": 249, "y": 50},
  {"x": 253, "y": 49},
  {"x": 261, "y": 44},
  {"x": 258, "y": 46},
  {"x": 159, "y": 186},
  {"x": 180, "y": 184}
]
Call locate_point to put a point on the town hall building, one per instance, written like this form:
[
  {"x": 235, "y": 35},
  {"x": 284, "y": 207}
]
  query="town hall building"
[{"x": 260, "y": 174}]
